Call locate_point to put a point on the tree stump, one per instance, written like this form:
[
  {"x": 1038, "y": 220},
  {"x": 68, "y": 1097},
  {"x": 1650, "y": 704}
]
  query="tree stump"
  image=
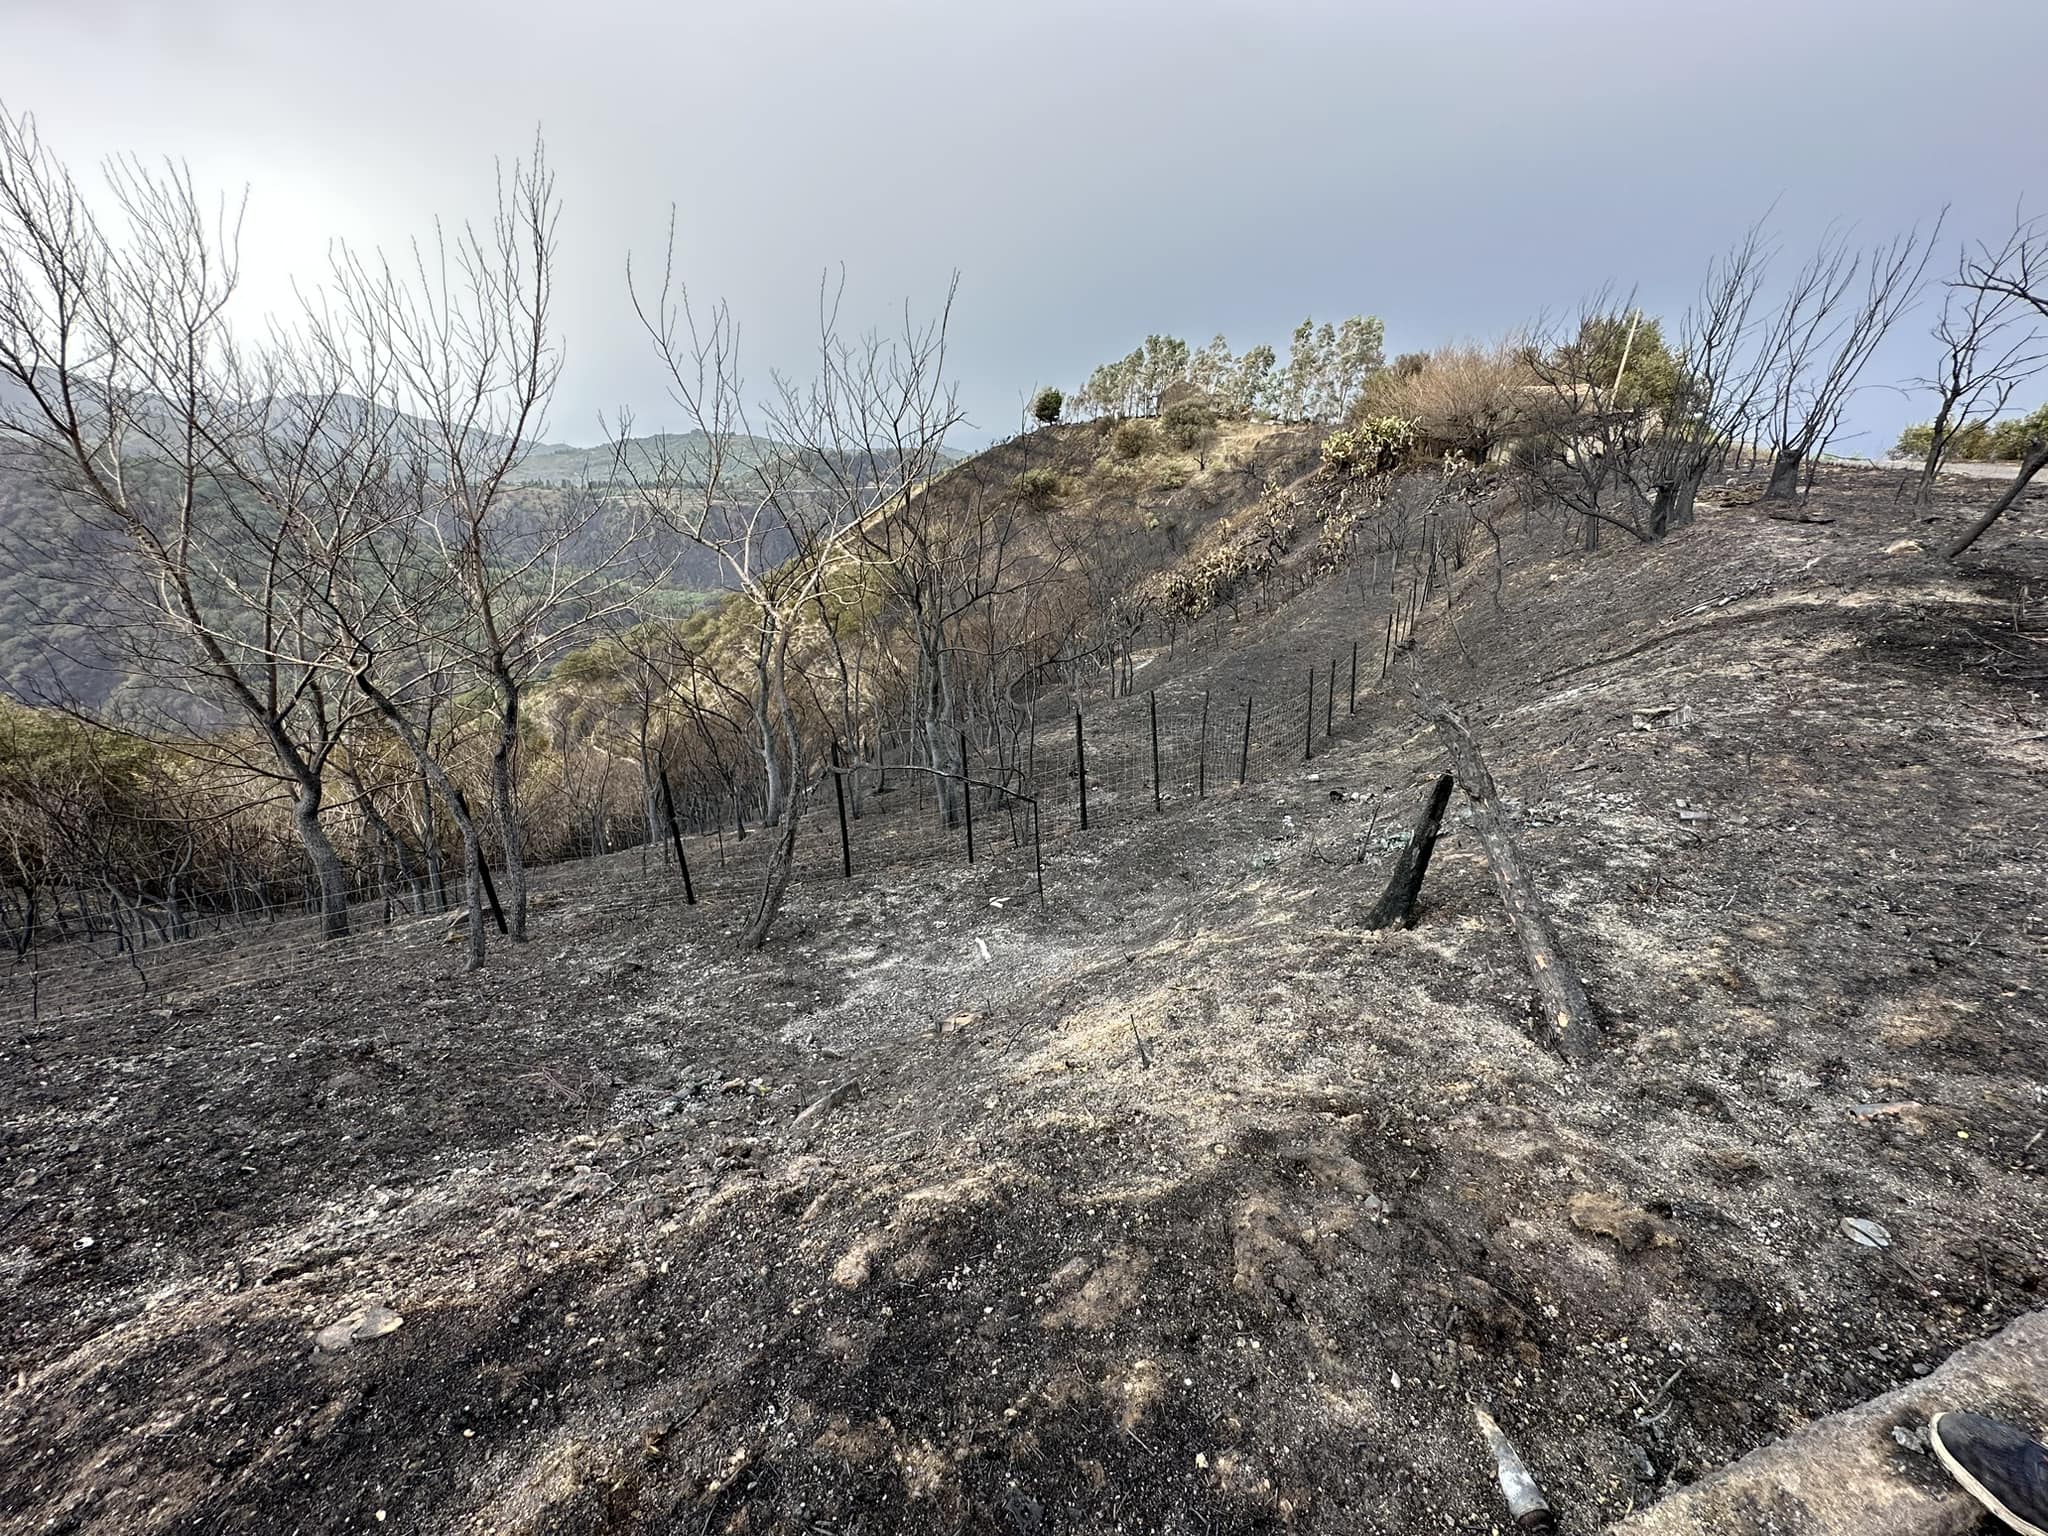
[
  {"x": 1567, "y": 1012},
  {"x": 1404, "y": 885}
]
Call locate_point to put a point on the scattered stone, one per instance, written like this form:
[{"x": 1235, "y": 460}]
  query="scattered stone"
[
  {"x": 855, "y": 1265},
  {"x": 1023, "y": 1512},
  {"x": 847, "y": 1092},
  {"x": 293, "y": 1265},
  {"x": 1869, "y": 1234},
  {"x": 1270, "y": 1254},
  {"x": 1108, "y": 1290},
  {"x": 371, "y": 1322},
  {"x": 588, "y": 1184},
  {"x": 1631, "y": 1228}
]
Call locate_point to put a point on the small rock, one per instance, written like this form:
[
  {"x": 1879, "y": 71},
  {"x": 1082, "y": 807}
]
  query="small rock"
[
  {"x": 371, "y": 1322},
  {"x": 377, "y": 1320},
  {"x": 846, "y": 1093},
  {"x": 1630, "y": 1228},
  {"x": 1873, "y": 1111},
  {"x": 1870, "y": 1234},
  {"x": 588, "y": 1184}
]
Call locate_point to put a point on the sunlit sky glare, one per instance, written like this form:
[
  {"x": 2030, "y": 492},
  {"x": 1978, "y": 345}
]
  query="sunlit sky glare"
[{"x": 1093, "y": 172}]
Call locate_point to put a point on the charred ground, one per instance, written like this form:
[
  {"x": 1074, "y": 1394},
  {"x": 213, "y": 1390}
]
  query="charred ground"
[{"x": 1178, "y": 1205}]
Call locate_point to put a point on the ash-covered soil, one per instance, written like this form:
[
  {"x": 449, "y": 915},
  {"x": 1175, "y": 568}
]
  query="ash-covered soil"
[{"x": 1178, "y": 1205}]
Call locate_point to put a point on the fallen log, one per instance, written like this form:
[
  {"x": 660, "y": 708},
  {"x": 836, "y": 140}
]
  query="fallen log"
[
  {"x": 1404, "y": 884},
  {"x": 2035, "y": 461},
  {"x": 1567, "y": 1012}
]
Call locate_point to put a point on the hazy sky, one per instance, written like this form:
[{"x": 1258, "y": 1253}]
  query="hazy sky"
[{"x": 1094, "y": 172}]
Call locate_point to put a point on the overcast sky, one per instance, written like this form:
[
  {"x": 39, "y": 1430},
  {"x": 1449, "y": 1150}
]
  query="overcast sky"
[{"x": 1094, "y": 172}]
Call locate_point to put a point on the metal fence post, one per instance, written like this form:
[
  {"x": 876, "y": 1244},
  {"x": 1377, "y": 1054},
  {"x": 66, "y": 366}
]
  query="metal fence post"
[
  {"x": 1308, "y": 719},
  {"x": 1330, "y": 699},
  {"x": 668, "y": 806},
  {"x": 1081, "y": 768},
  {"x": 1202, "y": 759},
  {"x": 1037, "y": 853},
  {"x": 839, "y": 794},
  {"x": 1152, "y": 702},
  {"x": 1244, "y": 755},
  {"x": 1353, "y": 707},
  {"x": 967, "y": 797}
]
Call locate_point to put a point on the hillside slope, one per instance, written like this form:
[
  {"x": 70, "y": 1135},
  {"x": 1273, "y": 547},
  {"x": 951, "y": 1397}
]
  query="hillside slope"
[{"x": 1179, "y": 1204}]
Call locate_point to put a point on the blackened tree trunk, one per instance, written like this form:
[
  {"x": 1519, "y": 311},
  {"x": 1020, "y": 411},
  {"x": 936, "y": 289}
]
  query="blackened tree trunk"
[
  {"x": 473, "y": 866},
  {"x": 782, "y": 855},
  {"x": 432, "y": 773},
  {"x": 1404, "y": 886},
  {"x": 648, "y": 791},
  {"x": 1786, "y": 464},
  {"x": 327, "y": 866},
  {"x": 385, "y": 833},
  {"x": 505, "y": 801},
  {"x": 2032, "y": 465},
  {"x": 1937, "y": 450},
  {"x": 430, "y": 845},
  {"x": 1567, "y": 1012},
  {"x": 1672, "y": 505},
  {"x": 774, "y": 786},
  {"x": 938, "y": 717}
]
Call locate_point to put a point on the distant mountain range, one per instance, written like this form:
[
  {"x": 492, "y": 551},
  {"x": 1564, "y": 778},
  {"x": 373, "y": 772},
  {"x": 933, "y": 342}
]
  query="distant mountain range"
[
  {"x": 50, "y": 607},
  {"x": 563, "y": 464},
  {"x": 566, "y": 464}
]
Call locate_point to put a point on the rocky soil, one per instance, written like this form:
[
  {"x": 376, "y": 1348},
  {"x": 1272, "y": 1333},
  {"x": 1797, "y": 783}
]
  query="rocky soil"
[{"x": 1178, "y": 1204}]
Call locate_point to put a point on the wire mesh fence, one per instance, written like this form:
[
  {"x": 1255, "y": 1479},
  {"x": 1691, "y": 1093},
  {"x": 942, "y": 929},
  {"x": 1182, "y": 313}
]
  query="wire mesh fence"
[{"x": 1106, "y": 763}]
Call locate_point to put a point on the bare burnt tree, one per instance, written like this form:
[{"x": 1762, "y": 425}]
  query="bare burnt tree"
[
  {"x": 176, "y": 457},
  {"x": 779, "y": 512},
  {"x": 1580, "y": 437},
  {"x": 403, "y": 655},
  {"x": 470, "y": 358},
  {"x": 937, "y": 552},
  {"x": 2016, "y": 270},
  {"x": 626, "y": 678},
  {"x": 1989, "y": 347},
  {"x": 1838, "y": 308},
  {"x": 1723, "y": 371}
]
